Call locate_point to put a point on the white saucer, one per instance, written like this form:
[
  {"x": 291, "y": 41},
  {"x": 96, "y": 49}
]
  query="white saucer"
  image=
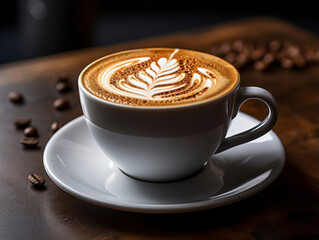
[{"x": 76, "y": 164}]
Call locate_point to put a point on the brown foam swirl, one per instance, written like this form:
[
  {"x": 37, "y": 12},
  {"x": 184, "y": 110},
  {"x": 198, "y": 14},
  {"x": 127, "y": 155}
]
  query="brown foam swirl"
[{"x": 163, "y": 79}]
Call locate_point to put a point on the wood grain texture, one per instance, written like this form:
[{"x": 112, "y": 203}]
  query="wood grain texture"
[{"x": 288, "y": 209}]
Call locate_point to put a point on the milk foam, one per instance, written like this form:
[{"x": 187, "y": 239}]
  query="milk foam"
[{"x": 157, "y": 78}]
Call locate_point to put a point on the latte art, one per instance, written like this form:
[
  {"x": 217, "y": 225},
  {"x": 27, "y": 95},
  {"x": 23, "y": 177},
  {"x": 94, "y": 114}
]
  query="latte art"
[
  {"x": 161, "y": 80},
  {"x": 156, "y": 77}
]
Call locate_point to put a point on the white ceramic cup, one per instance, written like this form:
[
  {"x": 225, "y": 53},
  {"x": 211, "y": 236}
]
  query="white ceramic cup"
[{"x": 161, "y": 144}]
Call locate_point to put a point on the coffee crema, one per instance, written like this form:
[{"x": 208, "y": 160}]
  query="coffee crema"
[{"x": 159, "y": 77}]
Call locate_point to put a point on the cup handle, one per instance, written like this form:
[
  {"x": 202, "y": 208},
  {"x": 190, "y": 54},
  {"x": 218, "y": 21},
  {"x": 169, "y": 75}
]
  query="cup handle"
[{"x": 244, "y": 94}]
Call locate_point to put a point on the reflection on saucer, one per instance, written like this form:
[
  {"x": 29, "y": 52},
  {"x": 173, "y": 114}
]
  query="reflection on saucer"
[{"x": 201, "y": 186}]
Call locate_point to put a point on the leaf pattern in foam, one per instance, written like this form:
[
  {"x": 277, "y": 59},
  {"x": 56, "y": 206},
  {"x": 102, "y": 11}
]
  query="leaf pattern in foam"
[
  {"x": 163, "y": 79},
  {"x": 162, "y": 72}
]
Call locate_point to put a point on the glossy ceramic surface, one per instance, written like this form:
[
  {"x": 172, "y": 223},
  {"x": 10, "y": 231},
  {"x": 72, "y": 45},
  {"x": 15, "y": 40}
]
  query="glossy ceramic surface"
[{"x": 77, "y": 165}]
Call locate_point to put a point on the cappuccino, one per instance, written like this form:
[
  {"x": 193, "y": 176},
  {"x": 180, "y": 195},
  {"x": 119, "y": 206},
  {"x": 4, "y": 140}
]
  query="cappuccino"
[
  {"x": 159, "y": 77},
  {"x": 160, "y": 113}
]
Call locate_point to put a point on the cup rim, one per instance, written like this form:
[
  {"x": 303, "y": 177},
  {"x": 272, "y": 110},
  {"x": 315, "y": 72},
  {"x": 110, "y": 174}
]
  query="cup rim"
[{"x": 124, "y": 106}]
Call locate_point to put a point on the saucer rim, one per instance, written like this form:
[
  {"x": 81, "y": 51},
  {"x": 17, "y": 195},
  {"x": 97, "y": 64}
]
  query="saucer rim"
[{"x": 160, "y": 208}]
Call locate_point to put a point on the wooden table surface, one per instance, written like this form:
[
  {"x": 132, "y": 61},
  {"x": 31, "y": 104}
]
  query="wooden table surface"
[{"x": 287, "y": 209}]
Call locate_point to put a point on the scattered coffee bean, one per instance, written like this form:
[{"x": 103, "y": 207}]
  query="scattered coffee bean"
[
  {"x": 248, "y": 48},
  {"x": 30, "y": 132},
  {"x": 15, "y": 97},
  {"x": 55, "y": 126},
  {"x": 268, "y": 58},
  {"x": 242, "y": 58},
  {"x": 29, "y": 142},
  {"x": 225, "y": 48},
  {"x": 22, "y": 122},
  {"x": 293, "y": 51},
  {"x": 257, "y": 54},
  {"x": 238, "y": 45},
  {"x": 260, "y": 65},
  {"x": 262, "y": 54},
  {"x": 286, "y": 63},
  {"x": 274, "y": 46},
  {"x": 63, "y": 87},
  {"x": 36, "y": 179},
  {"x": 61, "y": 104}
]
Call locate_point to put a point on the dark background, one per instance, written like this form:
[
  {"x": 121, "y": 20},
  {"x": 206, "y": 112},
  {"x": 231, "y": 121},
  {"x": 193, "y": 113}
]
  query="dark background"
[{"x": 33, "y": 28}]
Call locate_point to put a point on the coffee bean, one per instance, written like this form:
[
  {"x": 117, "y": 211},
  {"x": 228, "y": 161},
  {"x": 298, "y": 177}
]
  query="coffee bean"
[
  {"x": 238, "y": 45},
  {"x": 242, "y": 58},
  {"x": 287, "y": 63},
  {"x": 15, "y": 97},
  {"x": 260, "y": 65},
  {"x": 268, "y": 58},
  {"x": 63, "y": 87},
  {"x": 30, "y": 132},
  {"x": 55, "y": 126},
  {"x": 36, "y": 179},
  {"x": 22, "y": 122},
  {"x": 274, "y": 46},
  {"x": 61, "y": 104},
  {"x": 248, "y": 48},
  {"x": 257, "y": 54},
  {"x": 29, "y": 142},
  {"x": 224, "y": 48},
  {"x": 293, "y": 51}
]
